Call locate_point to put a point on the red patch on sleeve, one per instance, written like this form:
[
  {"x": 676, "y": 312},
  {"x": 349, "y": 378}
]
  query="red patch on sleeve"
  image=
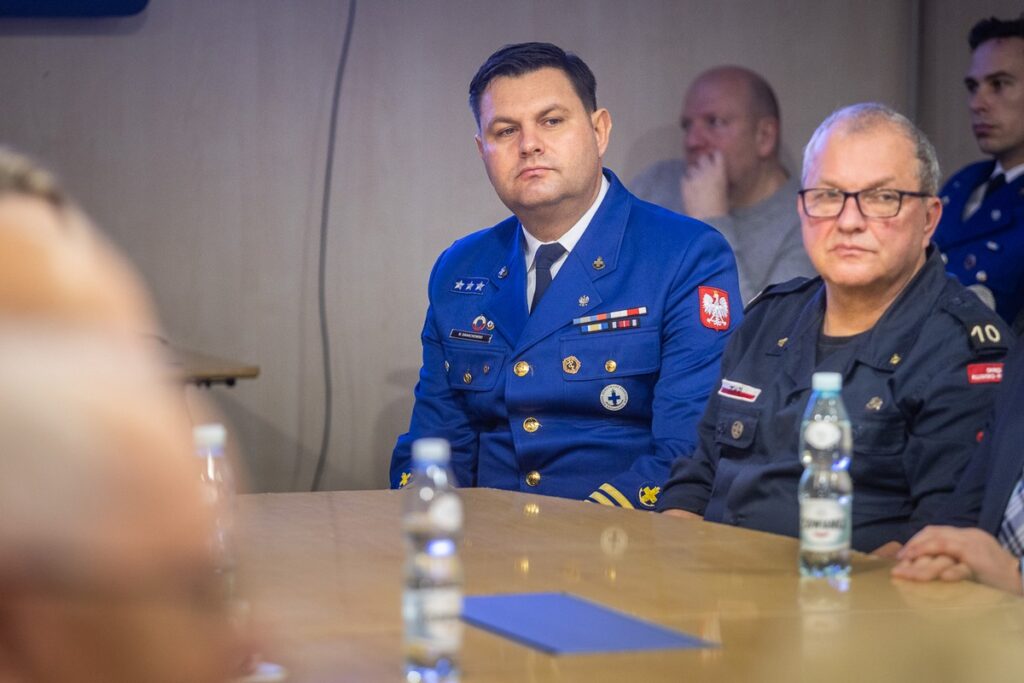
[
  {"x": 713, "y": 305},
  {"x": 985, "y": 373}
]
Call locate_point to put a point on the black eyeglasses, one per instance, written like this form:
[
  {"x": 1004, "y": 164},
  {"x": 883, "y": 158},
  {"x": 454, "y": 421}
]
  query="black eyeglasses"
[{"x": 828, "y": 202}]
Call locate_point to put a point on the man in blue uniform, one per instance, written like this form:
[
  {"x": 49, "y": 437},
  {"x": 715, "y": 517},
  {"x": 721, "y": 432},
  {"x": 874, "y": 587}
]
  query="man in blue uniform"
[
  {"x": 990, "y": 498},
  {"x": 569, "y": 349},
  {"x": 981, "y": 234},
  {"x": 920, "y": 356}
]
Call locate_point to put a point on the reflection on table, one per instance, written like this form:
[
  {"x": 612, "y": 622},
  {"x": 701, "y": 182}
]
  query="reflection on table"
[{"x": 325, "y": 569}]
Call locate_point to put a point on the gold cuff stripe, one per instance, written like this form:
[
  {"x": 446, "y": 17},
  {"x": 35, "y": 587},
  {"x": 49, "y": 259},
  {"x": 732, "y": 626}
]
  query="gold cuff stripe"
[
  {"x": 617, "y": 496},
  {"x": 599, "y": 497}
]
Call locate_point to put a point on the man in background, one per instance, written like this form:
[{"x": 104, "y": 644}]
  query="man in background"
[
  {"x": 981, "y": 234},
  {"x": 732, "y": 177}
]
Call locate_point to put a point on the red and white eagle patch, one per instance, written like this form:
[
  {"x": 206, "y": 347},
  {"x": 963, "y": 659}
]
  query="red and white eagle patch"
[{"x": 714, "y": 307}]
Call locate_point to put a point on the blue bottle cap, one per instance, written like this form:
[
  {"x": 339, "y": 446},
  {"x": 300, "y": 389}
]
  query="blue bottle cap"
[
  {"x": 431, "y": 451},
  {"x": 827, "y": 381}
]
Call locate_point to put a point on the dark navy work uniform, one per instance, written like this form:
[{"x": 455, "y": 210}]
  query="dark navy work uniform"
[
  {"x": 594, "y": 393},
  {"x": 987, "y": 249},
  {"x": 918, "y": 387}
]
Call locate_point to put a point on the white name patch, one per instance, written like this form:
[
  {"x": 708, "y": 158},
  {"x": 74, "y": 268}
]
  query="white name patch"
[{"x": 740, "y": 392}]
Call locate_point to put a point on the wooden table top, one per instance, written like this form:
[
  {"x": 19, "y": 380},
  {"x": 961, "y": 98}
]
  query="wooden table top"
[{"x": 325, "y": 570}]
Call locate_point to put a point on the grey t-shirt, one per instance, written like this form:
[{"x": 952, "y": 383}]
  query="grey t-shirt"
[{"x": 765, "y": 237}]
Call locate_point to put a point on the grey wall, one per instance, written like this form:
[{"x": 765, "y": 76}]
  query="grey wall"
[{"x": 195, "y": 134}]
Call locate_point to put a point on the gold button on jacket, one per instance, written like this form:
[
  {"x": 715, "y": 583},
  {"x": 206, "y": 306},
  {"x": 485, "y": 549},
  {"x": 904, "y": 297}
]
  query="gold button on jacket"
[
  {"x": 533, "y": 478},
  {"x": 531, "y": 424}
]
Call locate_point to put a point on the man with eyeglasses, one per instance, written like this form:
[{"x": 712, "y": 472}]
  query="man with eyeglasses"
[
  {"x": 981, "y": 234},
  {"x": 920, "y": 356}
]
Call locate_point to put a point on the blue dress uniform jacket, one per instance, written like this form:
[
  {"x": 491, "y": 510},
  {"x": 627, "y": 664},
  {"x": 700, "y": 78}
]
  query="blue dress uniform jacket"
[
  {"x": 995, "y": 468},
  {"x": 917, "y": 386},
  {"x": 988, "y": 248},
  {"x": 533, "y": 402}
]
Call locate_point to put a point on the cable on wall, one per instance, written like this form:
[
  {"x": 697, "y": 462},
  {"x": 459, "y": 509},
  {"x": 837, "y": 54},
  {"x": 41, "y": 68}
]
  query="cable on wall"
[{"x": 325, "y": 339}]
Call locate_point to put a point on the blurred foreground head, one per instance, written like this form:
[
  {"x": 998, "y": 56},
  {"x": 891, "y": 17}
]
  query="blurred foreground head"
[
  {"x": 54, "y": 267},
  {"x": 106, "y": 573}
]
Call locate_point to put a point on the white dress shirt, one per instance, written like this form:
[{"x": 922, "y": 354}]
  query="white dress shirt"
[
  {"x": 568, "y": 241},
  {"x": 974, "y": 202}
]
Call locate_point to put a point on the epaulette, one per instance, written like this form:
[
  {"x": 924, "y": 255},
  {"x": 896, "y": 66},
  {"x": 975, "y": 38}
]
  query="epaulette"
[
  {"x": 986, "y": 331},
  {"x": 787, "y": 287}
]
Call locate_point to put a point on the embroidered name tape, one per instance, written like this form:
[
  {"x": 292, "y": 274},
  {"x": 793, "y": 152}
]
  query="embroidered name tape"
[
  {"x": 466, "y": 335},
  {"x": 470, "y": 285},
  {"x": 614, "y": 315},
  {"x": 985, "y": 373},
  {"x": 738, "y": 391}
]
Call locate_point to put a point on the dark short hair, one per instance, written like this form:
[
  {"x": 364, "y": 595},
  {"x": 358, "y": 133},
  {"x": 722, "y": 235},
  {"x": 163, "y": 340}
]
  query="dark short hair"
[
  {"x": 992, "y": 28},
  {"x": 523, "y": 58}
]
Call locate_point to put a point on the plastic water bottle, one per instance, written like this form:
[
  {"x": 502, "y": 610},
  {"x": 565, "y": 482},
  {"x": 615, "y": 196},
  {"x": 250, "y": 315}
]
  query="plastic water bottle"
[
  {"x": 218, "y": 484},
  {"x": 826, "y": 492},
  {"x": 432, "y": 600}
]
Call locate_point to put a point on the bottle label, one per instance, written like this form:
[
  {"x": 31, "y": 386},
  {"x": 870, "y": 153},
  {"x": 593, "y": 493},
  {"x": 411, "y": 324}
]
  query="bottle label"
[
  {"x": 435, "y": 614},
  {"x": 446, "y": 513},
  {"x": 823, "y": 525},
  {"x": 822, "y": 435}
]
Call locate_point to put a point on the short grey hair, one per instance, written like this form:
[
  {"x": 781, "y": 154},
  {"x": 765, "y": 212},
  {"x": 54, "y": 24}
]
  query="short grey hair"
[
  {"x": 868, "y": 115},
  {"x": 21, "y": 176}
]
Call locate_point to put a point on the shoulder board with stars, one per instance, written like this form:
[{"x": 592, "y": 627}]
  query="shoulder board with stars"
[{"x": 469, "y": 285}]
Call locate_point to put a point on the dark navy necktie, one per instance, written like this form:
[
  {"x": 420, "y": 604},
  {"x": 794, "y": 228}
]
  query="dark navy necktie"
[
  {"x": 542, "y": 262},
  {"x": 994, "y": 184}
]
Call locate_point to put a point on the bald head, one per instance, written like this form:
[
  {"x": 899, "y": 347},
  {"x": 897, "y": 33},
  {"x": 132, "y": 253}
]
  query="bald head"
[
  {"x": 731, "y": 112},
  {"x": 748, "y": 86}
]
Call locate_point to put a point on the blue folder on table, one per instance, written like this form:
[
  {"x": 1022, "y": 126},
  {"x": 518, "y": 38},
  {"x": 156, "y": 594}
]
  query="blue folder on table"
[{"x": 559, "y": 623}]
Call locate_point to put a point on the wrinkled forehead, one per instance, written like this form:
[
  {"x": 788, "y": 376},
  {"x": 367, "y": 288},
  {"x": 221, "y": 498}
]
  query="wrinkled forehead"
[
  {"x": 718, "y": 94},
  {"x": 527, "y": 95},
  {"x": 855, "y": 157}
]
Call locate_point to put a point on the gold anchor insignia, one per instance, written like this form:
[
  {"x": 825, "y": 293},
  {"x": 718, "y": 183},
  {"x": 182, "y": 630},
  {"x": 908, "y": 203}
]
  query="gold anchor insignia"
[
  {"x": 782, "y": 342},
  {"x": 895, "y": 360},
  {"x": 571, "y": 364},
  {"x": 584, "y": 301},
  {"x": 598, "y": 263},
  {"x": 875, "y": 403}
]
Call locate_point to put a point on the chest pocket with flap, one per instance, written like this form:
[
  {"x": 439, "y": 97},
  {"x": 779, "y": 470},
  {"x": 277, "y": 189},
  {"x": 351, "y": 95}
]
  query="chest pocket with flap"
[
  {"x": 473, "y": 369},
  {"x": 605, "y": 355}
]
